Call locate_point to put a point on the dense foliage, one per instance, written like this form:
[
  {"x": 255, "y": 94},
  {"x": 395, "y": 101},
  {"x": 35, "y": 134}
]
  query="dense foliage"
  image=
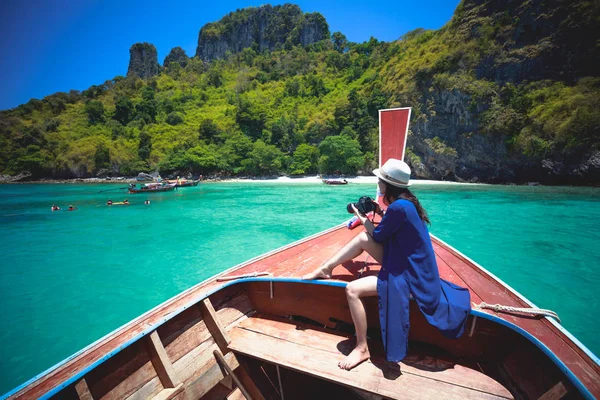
[{"x": 300, "y": 110}]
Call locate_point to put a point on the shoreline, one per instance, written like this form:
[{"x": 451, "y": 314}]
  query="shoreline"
[{"x": 364, "y": 179}]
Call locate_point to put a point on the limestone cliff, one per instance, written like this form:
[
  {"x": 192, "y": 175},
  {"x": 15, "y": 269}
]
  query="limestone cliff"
[
  {"x": 143, "y": 60},
  {"x": 535, "y": 39},
  {"x": 260, "y": 28},
  {"x": 476, "y": 119},
  {"x": 177, "y": 54}
]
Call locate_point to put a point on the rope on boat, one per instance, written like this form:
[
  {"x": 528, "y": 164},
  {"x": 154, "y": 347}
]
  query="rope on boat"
[{"x": 517, "y": 310}]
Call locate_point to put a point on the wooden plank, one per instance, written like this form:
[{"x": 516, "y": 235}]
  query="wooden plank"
[
  {"x": 235, "y": 395},
  {"x": 83, "y": 391},
  {"x": 382, "y": 380},
  {"x": 211, "y": 375},
  {"x": 308, "y": 337},
  {"x": 248, "y": 383},
  {"x": 161, "y": 362},
  {"x": 214, "y": 326},
  {"x": 169, "y": 393},
  {"x": 557, "y": 392},
  {"x": 122, "y": 375},
  {"x": 148, "y": 391}
]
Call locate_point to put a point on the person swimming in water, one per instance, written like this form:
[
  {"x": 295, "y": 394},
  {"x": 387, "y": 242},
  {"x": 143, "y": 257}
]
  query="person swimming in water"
[
  {"x": 71, "y": 208},
  {"x": 55, "y": 207},
  {"x": 147, "y": 202},
  {"x": 109, "y": 203}
]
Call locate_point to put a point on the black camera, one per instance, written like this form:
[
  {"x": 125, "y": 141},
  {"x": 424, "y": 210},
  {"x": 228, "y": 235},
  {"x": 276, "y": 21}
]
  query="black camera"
[{"x": 364, "y": 205}]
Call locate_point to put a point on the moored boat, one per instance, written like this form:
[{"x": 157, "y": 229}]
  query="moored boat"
[
  {"x": 183, "y": 183},
  {"x": 258, "y": 331},
  {"x": 151, "y": 187},
  {"x": 335, "y": 181}
]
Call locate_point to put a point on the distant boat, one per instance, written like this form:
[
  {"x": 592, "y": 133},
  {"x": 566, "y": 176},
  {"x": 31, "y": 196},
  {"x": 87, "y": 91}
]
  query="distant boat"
[
  {"x": 335, "y": 181},
  {"x": 151, "y": 187},
  {"x": 184, "y": 183}
]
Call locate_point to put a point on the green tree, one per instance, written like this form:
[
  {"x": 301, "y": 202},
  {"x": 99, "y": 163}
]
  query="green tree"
[
  {"x": 124, "y": 110},
  {"x": 235, "y": 149},
  {"x": 251, "y": 116},
  {"x": 214, "y": 76},
  {"x": 305, "y": 160},
  {"x": 147, "y": 109},
  {"x": 174, "y": 118},
  {"x": 102, "y": 156},
  {"x": 95, "y": 111},
  {"x": 282, "y": 132},
  {"x": 208, "y": 129},
  {"x": 340, "y": 42},
  {"x": 202, "y": 158},
  {"x": 264, "y": 159},
  {"x": 145, "y": 145},
  {"x": 340, "y": 154}
]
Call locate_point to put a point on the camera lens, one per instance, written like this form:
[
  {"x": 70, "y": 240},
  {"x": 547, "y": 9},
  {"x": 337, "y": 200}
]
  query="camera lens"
[{"x": 349, "y": 208}]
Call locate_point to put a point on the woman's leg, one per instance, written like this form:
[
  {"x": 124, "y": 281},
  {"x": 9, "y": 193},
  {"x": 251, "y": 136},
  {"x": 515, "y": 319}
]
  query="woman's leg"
[
  {"x": 362, "y": 242},
  {"x": 354, "y": 292}
]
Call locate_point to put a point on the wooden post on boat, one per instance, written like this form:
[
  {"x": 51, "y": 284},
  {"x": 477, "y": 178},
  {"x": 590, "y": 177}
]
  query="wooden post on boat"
[
  {"x": 215, "y": 328},
  {"x": 83, "y": 391},
  {"x": 163, "y": 367},
  {"x": 221, "y": 361}
]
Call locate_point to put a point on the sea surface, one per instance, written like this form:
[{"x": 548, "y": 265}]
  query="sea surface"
[{"x": 69, "y": 278}]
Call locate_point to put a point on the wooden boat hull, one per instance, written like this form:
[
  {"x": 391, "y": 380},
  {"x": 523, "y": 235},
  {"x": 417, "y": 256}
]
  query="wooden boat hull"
[
  {"x": 334, "y": 182},
  {"x": 153, "y": 190},
  {"x": 256, "y": 322},
  {"x": 187, "y": 184}
]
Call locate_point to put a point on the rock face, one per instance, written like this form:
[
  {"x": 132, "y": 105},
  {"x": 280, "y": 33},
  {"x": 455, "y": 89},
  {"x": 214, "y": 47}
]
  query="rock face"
[
  {"x": 262, "y": 28},
  {"x": 528, "y": 42},
  {"x": 177, "y": 54},
  {"x": 551, "y": 39},
  {"x": 143, "y": 61}
]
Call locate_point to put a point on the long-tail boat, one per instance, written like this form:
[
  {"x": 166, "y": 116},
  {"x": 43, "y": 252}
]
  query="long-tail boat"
[
  {"x": 335, "y": 181},
  {"x": 258, "y": 331},
  {"x": 183, "y": 183},
  {"x": 151, "y": 188}
]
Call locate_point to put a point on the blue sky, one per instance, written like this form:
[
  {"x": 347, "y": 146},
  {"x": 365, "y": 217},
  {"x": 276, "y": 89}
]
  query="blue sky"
[{"x": 57, "y": 45}]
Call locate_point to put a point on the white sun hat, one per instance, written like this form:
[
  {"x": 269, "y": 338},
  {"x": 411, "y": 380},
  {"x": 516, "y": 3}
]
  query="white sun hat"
[{"x": 395, "y": 172}]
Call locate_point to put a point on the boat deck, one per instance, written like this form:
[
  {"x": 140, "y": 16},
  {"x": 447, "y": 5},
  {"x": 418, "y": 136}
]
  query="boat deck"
[
  {"x": 302, "y": 257},
  {"x": 315, "y": 352}
]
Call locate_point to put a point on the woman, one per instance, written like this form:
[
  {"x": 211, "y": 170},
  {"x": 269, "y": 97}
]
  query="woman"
[{"x": 401, "y": 244}]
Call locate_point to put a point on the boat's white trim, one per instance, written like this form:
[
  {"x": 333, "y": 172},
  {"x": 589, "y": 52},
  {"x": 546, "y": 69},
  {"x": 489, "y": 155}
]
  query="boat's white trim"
[
  {"x": 583, "y": 348},
  {"x": 163, "y": 304}
]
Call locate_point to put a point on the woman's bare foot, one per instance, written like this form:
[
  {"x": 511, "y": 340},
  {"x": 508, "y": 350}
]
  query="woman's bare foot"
[
  {"x": 319, "y": 273},
  {"x": 358, "y": 355}
]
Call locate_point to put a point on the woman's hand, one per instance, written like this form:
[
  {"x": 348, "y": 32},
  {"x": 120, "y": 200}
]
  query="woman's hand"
[
  {"x": 369, "y": 227},
  {"x": 361, "y": 217}
]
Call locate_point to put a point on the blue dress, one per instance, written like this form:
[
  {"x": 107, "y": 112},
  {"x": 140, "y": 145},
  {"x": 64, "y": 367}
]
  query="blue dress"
[{"x": 409, "y": 267}]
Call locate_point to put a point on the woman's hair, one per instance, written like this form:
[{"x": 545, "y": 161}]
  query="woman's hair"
[{"x": 396, "y": 192}]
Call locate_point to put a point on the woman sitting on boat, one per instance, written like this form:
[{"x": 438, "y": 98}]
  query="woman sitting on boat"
[{"x": 401, "y": 244}]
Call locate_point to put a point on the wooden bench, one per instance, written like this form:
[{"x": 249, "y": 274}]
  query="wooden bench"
[{"x": 315, "y": 351}]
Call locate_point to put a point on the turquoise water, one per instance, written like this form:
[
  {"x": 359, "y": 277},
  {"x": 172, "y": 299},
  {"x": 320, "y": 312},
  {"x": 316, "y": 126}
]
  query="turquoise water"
[{"x": 69, "y": 278}]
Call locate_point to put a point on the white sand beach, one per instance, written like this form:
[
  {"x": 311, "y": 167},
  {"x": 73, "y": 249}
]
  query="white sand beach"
[{"x": 357, "y": 179}]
